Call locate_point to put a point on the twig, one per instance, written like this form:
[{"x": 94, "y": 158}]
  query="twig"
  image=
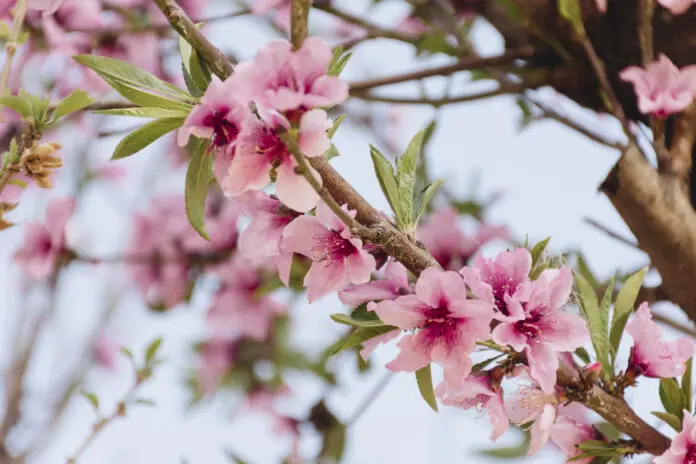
[
  {"x": 369, "y": 399},
  {"x": 442, "y": 101},
  {"x": 464, "y": 64},
  {"x": 19, "y": 12},
  {"x": 674, "y": 324},
  {"x": 298, "y": 22},
  {"x": 610, "y": 233}
]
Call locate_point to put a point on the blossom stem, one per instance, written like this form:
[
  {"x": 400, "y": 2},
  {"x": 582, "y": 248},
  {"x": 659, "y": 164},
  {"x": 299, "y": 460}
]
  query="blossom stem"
[
  {"x": 20, "y": 10},
  {"x": 369, "y": 399},
  {"x": 299, "y": 17}
]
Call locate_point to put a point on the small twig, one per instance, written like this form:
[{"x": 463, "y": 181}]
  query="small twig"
[
  {"x": 369, "y": 399},
  {"x": 610, "y": 233},
  {"x": 442, "y": 101},
  {"x": 464, "y": 64},
  {"x": 674, "y": 325}
]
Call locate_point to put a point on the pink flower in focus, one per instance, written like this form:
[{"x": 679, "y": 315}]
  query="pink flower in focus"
[
  {"x": 216, "y": 359},
  {"x": 662, "y": 88},
  {"x": 260, "y": 241},
  {"x": 530, "y": 403},
  {"x": 260, "y": 149},
  {"x": 677, "y": 7},
  {"x": 445, "y": 240},
  {"x": 571, "y": 429},
  {"x": 219, "y": 116},
  {"x": 449, "y": 324},
  {"x": 44, "y": 243},
  {"x": 542, "y": 330},
  {"x": 339, "y": 258},
  {"x": 393, "y": 285},
  {"x": 282, "y": 11},
  {"x": 683, "y": 447},
  {"x": 283, "y": 80},
  {"x": 495, "y": 280},
  {"x": 477, "y": 391},
  {"x": 105, "y": 352},
  {"x": 650, "y": 355}
]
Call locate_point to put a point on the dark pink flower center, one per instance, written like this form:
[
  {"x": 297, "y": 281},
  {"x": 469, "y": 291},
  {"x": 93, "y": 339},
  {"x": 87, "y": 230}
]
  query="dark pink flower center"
[
  {"x": 333, "y": 247},
  {"x": 530, "y": 327},
  {"x": 439, "y": 327},
  {"x": 224, "y": 130},
  {"x": 690, "y": 457},
  {"x": 45, "y": 246},
  {"x": 502, "y": 285},
  {"x": 271, "y": 146}
]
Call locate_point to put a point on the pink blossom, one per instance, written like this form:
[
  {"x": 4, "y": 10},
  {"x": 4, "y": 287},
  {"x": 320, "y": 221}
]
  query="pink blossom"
[
  {"x": 370, "y": 345},
  {"x": 260, "y": 150},
  {"x": 496, "y": 280},
  {"x": 477, "y": 391},
  {"x": 339, "y": 258},
  {"x": 105, "y": 352},
  {"x": 260, "y": 241},
  {"x": 284, "y": 80},
  {"x": 542, "y": 330},
  {"x": 677, "y": 7},
  {"x": 683, "y": 447},
  {"x": 282, "y": 11},
  {"x": 449, "y": 324},
  {"x": 216, "y": 359},
  {"x": 394, "y": 284},
  {"x": 412, "y": 25},
  {"x": 662, "y": 88},
  {"x": 44, "y": 243},
  {"x": 221, "y": 217},
  {"x": 219, "y": 116},
  {"x": 650, "y": 355},
  {"x": 47, "y": 6},
  {"x": 601, "y": 5},
  {"x": 445, "y": 240},
  {"x": 571, "y": 429},
  {"x": 530, "y": 403},
  {"x": 237, "y": 310}
]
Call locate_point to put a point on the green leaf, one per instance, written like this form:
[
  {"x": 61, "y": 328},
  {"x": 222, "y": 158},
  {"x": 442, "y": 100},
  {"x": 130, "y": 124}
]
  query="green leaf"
[
  {"x": 599, "y": 448},
  {"x": 127, "y": 353},
  {"x": 511, "y": 452},
  {"x": 338, "y": 61},
  {"x": 198, "y": 177},
  {"x": 146, "y": 99},
  {"x": 17, "y": 104},
  {"x": 570, "y": 10},
  {"x": 345, "y": 319},
  {"x": 146, "y": 112},
  {"x": 605, "y": 306},
  {"x": 336, "y": 124},
  {"x": 538, "y": 250},
  {"x": 483, "y": 364},
  {"x": 144, "y": 136},
  {"x": 623, "y": 306},
  {"x": 151, "y": 350},
  {"x": 671, "y": 396},
  {"x": 360, "y": 335},
  {"x": 74, "y": 102},
  {"x": 406, "y": 175},
  {"x": 585, "y": 271},
  {"x": 596, "y": 320},
  {"x": 387, "y": 180},
  {"x": 424, "y": 379},
  {"x": 129, "y": 74},
  {"x": 670, "y": 419},
  {"x": 331, "y": 153},
  {"x": 686, "y": 386},
  {"x": 194, "y": 66},
  {"x": 424, "y": 199},
  {"x": 583, "y": 355},
  {"x": 92, "y": 398}
]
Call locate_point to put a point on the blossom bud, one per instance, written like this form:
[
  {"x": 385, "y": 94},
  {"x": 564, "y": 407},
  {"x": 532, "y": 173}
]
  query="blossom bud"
[
  {"x": 38, "y": 162},
  {"x": 592, "y": 372}
]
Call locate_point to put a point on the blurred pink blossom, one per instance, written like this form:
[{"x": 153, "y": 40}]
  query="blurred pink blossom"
[
  {"x": 281, "y": 15},
  {"x": 216, "y": 359},
  {"x": 105, "y": 352},
  {"x": 677, "y": 7}
]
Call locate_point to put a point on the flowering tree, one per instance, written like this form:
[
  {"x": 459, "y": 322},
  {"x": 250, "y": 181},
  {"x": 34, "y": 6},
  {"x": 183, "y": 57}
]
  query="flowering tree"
[{"x": 263, "y": 221}]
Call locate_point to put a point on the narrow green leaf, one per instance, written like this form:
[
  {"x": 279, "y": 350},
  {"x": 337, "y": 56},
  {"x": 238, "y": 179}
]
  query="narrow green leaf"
[
  {"x": 387, "y": 180},
  {"x": 127, "y": 353},
  {"x": 605, "y": 306},
  {"x": 336, "y": 124},
  {"x": 585, "y": 271},
  {"x": 331, "y": 153},
  {"x": 144, "y": 136},
  {"x": 511, "y": 452},
  {"x": 129, "y": 74},
  {"x": 686, "y": 386},
  {"x": 146, "y": 112},
  {"x": 483, "y": 364},
  {"x": 538, "y": 250},
  {"x": 345, "y": 319},
  {"x": 424, "y": 378},
  {"x": 198, "y": 177},
  {"x": 570, "y": 10},
  {"x": 424, "y": 199},
  {"x": 360, "y": 335},
  {"x": 74, "y": 102},
  {"x": 406, "y": 174},
  {"x": 623, "y": 306},
  {"x": 338, "y": 61},
  {"x": 144, "y": 402},
  {"x": 596, "y": 321},
  {"x": 146, "y": 99},
  {"x": 671, "y": 396},
  {"x": 151, "y": 350},
  {"x": 670, "y": 419},
  {"x": 92, "y": 398},
  {"x": 583, "y": 355},
  {"x": 193, "y": 65},
  {"x": 17, "y": 104}
]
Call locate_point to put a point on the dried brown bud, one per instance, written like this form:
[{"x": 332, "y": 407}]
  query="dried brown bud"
[
  {"x": 39, "y": 162},
  {"x": 4, "y": 208}
]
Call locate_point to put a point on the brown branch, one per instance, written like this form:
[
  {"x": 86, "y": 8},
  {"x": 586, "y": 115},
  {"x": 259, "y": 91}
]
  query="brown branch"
[
  {"x": 679, "y": 160},
  {"x": 616, "y": 236},
  {"x": 503, "y": 90},
  {"x": 465, "y": 64},
  {"x": 299, "y": 16}
]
